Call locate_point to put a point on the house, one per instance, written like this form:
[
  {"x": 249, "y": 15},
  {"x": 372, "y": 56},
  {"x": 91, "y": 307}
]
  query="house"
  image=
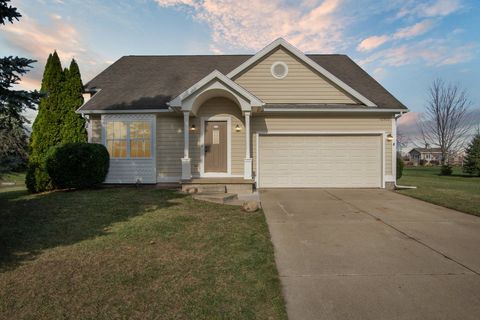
[
  {"x": 278, "y": 118},
  {"x": 425, "y": 156}
]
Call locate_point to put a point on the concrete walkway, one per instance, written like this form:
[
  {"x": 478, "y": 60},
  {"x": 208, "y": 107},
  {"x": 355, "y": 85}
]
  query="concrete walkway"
[{"x": 373, "y": 254}]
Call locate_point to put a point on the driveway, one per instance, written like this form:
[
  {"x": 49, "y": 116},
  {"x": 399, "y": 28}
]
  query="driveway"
[{"x": 373, "y": 254}]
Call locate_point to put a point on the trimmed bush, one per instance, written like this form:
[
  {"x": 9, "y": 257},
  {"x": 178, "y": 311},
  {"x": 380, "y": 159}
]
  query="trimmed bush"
[
  {"x": 400, "y": 165},
  {"x": 77, "y": 165},
  {"x": 446, "y": 170}
]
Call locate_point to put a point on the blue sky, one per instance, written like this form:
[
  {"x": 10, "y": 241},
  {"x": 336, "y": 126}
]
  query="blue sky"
[{"x": 403, "y": 44}]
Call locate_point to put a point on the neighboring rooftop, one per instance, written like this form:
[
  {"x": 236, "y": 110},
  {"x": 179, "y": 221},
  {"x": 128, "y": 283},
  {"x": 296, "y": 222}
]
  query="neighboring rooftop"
[
  {"x": 149, "y": 82},
  {"x": 427, "y": 150}
]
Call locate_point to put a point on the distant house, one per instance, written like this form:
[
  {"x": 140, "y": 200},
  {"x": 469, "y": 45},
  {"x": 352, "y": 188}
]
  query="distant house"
[{"x": 425, "y": 156}]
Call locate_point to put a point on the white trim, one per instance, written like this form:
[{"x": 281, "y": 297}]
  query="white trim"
[
  {"x": 300, "y": 55},
  {"x": 384, "y": 139},
  {"x": 88, "y": 123},
  {"x": 382, "y": 135},
  {"x": 152, "y": 160},
  {"x": 394, "y": 149},
  {"x": 253, "y": 101},
  {"x": 204, "y": 174},
  {"x": 279, "y": 109},
  {"x": 132, "y": 111},
  {"x": 168, "y": 179},
  {"x": 273, "y": 67},
  {"x": 147, "y": 117}
]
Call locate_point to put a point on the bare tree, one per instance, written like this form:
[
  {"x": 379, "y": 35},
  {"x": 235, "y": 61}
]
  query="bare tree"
[{"x": 445, "y": 121}]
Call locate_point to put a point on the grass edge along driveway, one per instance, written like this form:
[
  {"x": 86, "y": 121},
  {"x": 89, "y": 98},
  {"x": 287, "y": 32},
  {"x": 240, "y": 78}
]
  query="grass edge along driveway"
[
  {"x": 133, "y": 253},
  {"x": 459, "y": 192}
]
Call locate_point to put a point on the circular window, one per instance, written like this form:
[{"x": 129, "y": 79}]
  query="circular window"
[{"x": 279, "y": 70}]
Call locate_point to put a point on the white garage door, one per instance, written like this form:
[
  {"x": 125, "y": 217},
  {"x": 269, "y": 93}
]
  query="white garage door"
[{"x": 320, "y": 161}]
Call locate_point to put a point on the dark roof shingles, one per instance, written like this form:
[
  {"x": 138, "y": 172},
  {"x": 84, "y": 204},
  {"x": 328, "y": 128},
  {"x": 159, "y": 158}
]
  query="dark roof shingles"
[{"x": 149, "y": 82}]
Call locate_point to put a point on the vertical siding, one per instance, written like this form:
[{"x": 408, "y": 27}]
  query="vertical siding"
[
  {"x": 323, "y": 123},
  {"x": 301, "y": 85}
]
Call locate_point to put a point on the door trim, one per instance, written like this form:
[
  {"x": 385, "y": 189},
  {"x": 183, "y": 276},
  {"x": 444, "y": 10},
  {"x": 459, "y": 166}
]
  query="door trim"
[
  {"x": 381, "y": 134},
  {"x": 228, "y": 119}
]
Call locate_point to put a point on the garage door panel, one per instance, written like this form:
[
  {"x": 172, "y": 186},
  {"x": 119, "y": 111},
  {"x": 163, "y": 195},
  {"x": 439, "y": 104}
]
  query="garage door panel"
[{"x": 319, "y": 161}]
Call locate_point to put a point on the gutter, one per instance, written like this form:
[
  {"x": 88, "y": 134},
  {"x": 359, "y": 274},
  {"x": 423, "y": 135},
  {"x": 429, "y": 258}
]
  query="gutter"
[{"x": 397, "y": 186}]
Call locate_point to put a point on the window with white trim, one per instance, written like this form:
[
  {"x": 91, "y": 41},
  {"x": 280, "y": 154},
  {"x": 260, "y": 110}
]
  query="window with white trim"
[{"x": 128, "y": 139}]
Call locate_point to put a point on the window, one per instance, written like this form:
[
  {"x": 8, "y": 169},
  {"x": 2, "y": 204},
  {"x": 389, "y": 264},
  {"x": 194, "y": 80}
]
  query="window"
[
  {"x": 279, "y": 70},
  {"x": 128, "y": 139},
  {"x": 139, "y": 139}
]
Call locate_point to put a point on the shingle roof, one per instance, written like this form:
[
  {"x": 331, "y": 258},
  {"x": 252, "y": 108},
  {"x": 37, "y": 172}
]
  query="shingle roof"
[
  {"x": 427, "y": 150},
  {"x": 149, "y": 82}
]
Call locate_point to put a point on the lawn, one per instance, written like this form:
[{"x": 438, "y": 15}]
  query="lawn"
[
  {"x": 459, "y": 192},
  {"x": 133, "y": 253}
]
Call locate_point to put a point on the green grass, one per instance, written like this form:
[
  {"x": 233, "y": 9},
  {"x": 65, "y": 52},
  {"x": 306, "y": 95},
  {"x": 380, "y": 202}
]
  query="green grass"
[
  {"x": 459, "y": 192},
  {"x": 133, "y": 253}
]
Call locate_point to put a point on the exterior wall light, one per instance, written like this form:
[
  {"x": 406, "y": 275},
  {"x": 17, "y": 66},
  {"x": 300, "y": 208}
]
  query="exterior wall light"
[
  {"x": 237, "y": 128},
  {"x": 389, "y": 137},
  {"x": 193, "y": 128}
]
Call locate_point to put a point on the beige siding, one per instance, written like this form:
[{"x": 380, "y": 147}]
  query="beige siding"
[
  {"x": 96, "y": 131},
  {"x": 170, "y": 139},
  {"x": 223, "y": 107},
  {"x": 341, "y": 123},
  {"x": 169, "y": 147},
  {"x": 301, "y": 85}
]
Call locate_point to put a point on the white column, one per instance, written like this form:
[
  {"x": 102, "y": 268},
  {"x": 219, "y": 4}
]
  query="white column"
[
  {"x": 186, "y": 166},
  {"x": 248, "y": 160}
]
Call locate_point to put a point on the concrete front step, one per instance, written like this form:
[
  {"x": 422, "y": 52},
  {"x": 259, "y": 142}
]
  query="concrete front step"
[
  {"x": 216, "y": 197},
  {"x": 218, "y": 188}
]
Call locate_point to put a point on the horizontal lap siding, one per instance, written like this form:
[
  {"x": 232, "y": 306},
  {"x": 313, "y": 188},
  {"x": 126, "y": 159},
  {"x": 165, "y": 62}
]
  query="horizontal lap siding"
[
  {"x": 169, "y": 147},
  {"x": 170, "y": 139},
  {"x": 319, "y": 124},
  {"x": 301, "y": 85},
  {"x": 223, "y": 107}
]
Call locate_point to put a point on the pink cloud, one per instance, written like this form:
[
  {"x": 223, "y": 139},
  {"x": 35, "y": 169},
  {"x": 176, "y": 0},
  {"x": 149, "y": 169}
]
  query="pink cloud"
[
  {"x": 372, "y": 42},
  {"x": 413, "y": 31},
  {"x": 252, "y": 24},
  {"x": 37, "y": 40}
]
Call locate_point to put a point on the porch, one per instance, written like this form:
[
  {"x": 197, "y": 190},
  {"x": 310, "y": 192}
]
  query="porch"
[{"x": 233, "y": 185}]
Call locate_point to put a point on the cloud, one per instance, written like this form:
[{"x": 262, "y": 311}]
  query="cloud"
[
  {"x": 413, "y": 31},
  {"x": 432, "y": 52},
  {"x": 436, "y": 8},
  {"x": 252, "y": 24},
  {"x": 372, "y": 42},
  {"x": 37, "y": 40},
  {"x": 417, "y": 29}
]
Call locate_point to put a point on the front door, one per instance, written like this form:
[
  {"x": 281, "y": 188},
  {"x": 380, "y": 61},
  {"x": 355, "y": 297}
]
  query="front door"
[{"x": 215, "y": 146}]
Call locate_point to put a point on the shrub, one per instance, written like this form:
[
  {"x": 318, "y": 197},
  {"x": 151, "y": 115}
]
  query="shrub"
[
  {"x": 446, "y": 170},
  {"x": 400, "y": 165},
  {"x": 422, "y": 162},
  {"x": 37, "y": 178},
  {"x": 77, "y": 165}
]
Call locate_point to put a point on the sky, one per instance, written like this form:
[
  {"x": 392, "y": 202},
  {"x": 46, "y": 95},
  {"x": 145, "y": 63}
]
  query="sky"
[{"x": 403, "y": 44}]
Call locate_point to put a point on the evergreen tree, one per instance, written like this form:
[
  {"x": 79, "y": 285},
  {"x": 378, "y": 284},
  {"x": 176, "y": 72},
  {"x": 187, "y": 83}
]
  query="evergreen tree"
[
  {"x": 47, "y": 126},
  {"x": 73, "y": 126},
  {"x": 471, "y": 164}
]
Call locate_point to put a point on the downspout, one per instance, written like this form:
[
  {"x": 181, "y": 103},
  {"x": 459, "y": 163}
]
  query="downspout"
[{"x": 399, "y": 187}]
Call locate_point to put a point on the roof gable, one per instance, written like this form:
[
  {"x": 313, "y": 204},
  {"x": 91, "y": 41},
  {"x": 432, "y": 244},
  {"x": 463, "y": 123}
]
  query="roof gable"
[
  {"x": 300, "y": 85},
  {"x": 280, "y": 42}
]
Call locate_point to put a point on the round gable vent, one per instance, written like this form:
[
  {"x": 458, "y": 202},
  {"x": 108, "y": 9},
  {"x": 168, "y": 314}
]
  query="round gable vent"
[{"x": 279, "y": 69}]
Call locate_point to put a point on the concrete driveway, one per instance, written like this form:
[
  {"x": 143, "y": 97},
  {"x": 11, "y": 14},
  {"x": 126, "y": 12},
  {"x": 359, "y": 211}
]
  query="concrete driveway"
[{"x": 373, "y": 254}]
